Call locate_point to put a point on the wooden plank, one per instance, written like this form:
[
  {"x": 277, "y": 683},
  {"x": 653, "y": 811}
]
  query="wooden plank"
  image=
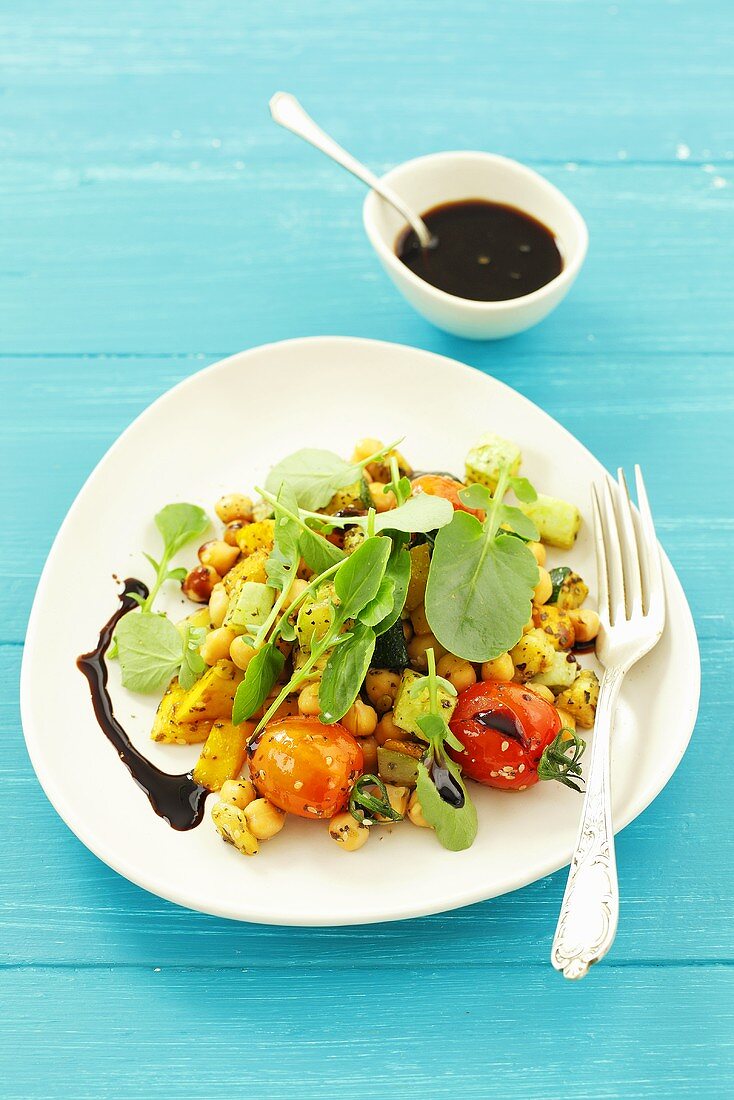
[{"x": 312, "y": 1033}]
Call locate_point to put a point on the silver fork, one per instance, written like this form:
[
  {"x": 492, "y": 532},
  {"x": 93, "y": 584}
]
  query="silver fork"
[{"x": 632, "y": 613}]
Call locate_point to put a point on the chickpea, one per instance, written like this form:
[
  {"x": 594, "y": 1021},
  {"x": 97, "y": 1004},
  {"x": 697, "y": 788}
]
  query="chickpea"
[
  {"x": 398, "y": 799},
  {"x": 407, "y": 629},
  {"x": 199, "y": 583},
  {"x": 501, "y": 668},
  {"x": 544, "y": 587},
  {"x": 417, "y": 647},
  {"x": 457, "y": 671},
  {"x": 348, "y": 833},
  {"x": 234, "y": 506},
  {"x": 369, "y": 752},
  {"x": 216, "y": 645},
  {"x": 387, "y": 730},
  {"x": 230, "y": 532},
  {"x": 241, "y": 653},
  {"x": 382, "y": 686},
  {"x": 419, "y": 621},
  {"x": 383, "y": 499},
  {"x": 538, "y": 551},
  {"x": 360, "y": 719},
  {"x": 295, "y": 589},
  {"x": 543, "y": 691},
  {"x": 415, "y": 813},
  {"x": 219, "y": 555},
  {"x": 285, "y": 647},
  {"x": 238, "y": 792},
  {"x": 264, "y": 819},
  {"x": 218, "y": 604},
  {"x": 586, "y": 624},
  {"x": 567, "y": 720},
  {"x": 308, "y": 700},
  {"x": 366, "y": 447}
]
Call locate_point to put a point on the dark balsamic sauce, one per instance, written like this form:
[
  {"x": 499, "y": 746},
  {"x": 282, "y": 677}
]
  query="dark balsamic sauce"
[
  {"x": 178, "y": 799},
  {"x": 584, "y": 647},
  {"x": 482, "y": 251},
  {"x": 505, "y": 723},
  {"x": 446, "y": 785}
]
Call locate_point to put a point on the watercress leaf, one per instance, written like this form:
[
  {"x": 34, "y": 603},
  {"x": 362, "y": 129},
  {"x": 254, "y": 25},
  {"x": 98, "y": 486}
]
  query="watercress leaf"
[
  {"x": 523, "y": 490},
  {"x": 432, "y": 726},
  {"x": 397, "y": 571},
  {"x": 177, "y": 574},
  {"x": 192, "y": 663},
  {"x": 476, "y": 496},
  {"x": 518, "y": 521},
  {"x": 318, "y": 553},
  {"x": 381, "y": 606},
  {"x": 313, "y": 476},
  {"x": 419, "y": 514},
  {"x": 344, "y": 673},
  {"x": 455, "y": 827},
  {"x": 260, "y": 677},
  {"x": 151, "y": 561},
  {"x": 357, "y": 581},
  {"x": 179, "y": 524},
  {"x": 479, "y": 589},
  {"x": 150, "y": 649}
]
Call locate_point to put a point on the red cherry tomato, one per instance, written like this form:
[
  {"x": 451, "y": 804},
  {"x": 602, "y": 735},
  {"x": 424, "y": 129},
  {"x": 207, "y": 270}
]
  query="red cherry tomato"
[
  {"x": 437, "y": 485},
  {"x": 305, "y": 767},
  {"x": 504, "y": 729}
]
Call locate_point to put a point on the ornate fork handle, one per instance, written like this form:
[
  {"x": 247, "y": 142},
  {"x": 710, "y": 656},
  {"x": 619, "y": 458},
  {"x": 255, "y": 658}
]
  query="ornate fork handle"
[{"x": 588, "y": 919}]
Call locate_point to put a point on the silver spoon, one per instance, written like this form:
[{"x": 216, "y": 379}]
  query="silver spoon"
[{"x": 288, "y": 112}]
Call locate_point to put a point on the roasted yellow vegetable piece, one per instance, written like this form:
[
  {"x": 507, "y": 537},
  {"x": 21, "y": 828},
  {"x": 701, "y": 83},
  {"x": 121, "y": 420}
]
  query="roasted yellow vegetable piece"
[
  {"x": 223, "y": 754},
  {"x": 166, "y": 727},
  {"x": 581, "y": 698},
  {"x": 556, "y": 624},
  {"x": 251, "y": 568},
  {"x": 532, "y": 654},
  {"x": 256, "y": 536},
  {"x": 572, "y": 593},
  {"x": 211, "y": 698},
  {"x": 420, "y": 563}
]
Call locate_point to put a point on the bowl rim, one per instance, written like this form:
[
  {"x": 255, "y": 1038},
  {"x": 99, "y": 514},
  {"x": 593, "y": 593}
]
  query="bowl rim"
[{"x": 571, "y": 267}]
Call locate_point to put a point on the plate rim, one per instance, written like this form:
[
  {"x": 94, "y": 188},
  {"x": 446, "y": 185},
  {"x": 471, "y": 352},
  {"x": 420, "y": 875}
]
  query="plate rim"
[{"x": 122, "y": 866}]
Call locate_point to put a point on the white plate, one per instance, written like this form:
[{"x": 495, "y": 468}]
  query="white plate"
[{"x": 220, "y": 431}]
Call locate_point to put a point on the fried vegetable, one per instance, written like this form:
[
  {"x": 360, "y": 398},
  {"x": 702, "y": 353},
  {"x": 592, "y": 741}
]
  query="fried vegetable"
[
  {"x": 356, "y": 496},
  {"x": 561, "y": 673},
  {"x": 488, "y": 456},
  {"x": 420, "y": 563},
  {"x": 532, "y": 655},
  {"x": 231, "y": 824},
  {"x": 212, "y": 696},
  {"x": 249, "y": 606},
  {"x": 572, "y": 592},
  {"x": 556, "y": 624},
  {"x": 581, "y": 698},
  {"x": 167, "y": 730},
  {"x": 353, "y": 539},
  {"x": 557, "y": 521},
  {"x": 409, "y": 708},
  {"x": 223, "y": 754},
  {"x": 256, "y": 536},
  {"x": 251, "y": 568}
]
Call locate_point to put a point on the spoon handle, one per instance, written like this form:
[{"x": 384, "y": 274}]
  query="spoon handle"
[{"x": 288, "y": 112}]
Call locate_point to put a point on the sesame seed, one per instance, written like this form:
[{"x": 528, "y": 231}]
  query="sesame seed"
[
  {"x": 505, "y": 746},
  {"x": 298, "y": 784},
  {"x": 521, "y": 768}
]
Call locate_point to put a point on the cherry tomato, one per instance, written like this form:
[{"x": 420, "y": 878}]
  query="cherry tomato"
[
  {"x": 438, "y": 485},
  {"x": 305, "y": 767},
  {"x": 504, "y": 729}
]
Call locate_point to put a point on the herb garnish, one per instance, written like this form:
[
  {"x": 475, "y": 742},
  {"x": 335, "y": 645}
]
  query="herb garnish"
[
  {"x": 481, "y": 581},
  {"x": 150, "y": 648},
  {"x": 555, "y": 763},
  {"x": 443, "y": 797},
  {"x": 362, "y": 802},
  {"x": 314, "y": 476}
]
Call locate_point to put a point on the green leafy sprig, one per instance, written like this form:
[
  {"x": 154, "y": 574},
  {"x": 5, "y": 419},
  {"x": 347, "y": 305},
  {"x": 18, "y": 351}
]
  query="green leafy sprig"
[
  {"x": 367, "y": 807},
  {"x": 481, "y": 580},
  {"x": 314, "y": 475},
  {"x": 561, "y": 760}
]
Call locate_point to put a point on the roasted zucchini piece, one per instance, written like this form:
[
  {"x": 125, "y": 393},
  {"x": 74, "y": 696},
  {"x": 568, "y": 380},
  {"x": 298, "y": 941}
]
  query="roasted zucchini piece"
[
  {"x": 561, "y": 672},
  {"x": 249, "y": 605},
  {"x": 488, "y": 456},
  {"x": 390, "y": 648},
  {"x": 397, "y": 767},
  {"x": 556, "y": 624},
  {"x": 212, "y": 696},
  {"x": 167, "y": 729},
  {"x": 353, "y": 497},
  {"x": 409, "y": 708},
  {"x": 557, "y": 521},
  {"x": 581, "y": 698},
  {"x": 571, "y": 593},
  {"x": 223, "y": 755}
]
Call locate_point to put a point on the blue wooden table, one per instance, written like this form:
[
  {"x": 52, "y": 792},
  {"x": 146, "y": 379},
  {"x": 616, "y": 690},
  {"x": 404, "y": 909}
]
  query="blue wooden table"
[{"x": 154, "y": 220}]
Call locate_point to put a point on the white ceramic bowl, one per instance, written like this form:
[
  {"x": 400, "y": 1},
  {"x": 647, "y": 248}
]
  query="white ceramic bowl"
[{"x": 449, "y": 177}]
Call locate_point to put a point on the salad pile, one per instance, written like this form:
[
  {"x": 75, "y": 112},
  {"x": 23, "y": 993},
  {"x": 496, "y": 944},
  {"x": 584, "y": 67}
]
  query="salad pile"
[{"x": 370, "y": 640}]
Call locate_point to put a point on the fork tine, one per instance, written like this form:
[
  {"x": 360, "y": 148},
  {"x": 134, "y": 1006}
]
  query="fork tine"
[
  {"x": 615, "y": 571},
  {"x": 655, "y": 594},
  {"x": 630, "y": 551},
  {"x": 601, "y": 558}
]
